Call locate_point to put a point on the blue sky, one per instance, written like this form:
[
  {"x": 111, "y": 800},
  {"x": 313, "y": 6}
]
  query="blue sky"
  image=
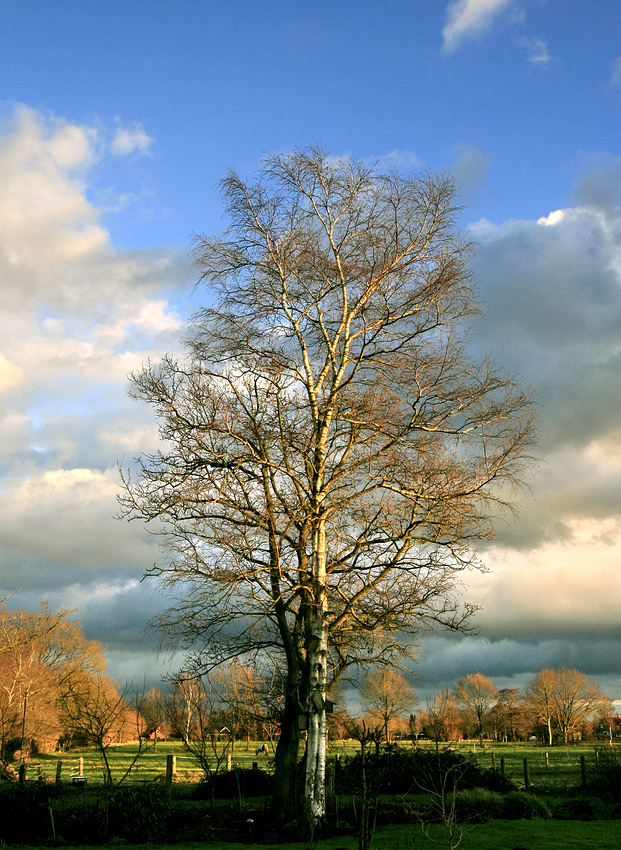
[{"x": 117, "y": 119}]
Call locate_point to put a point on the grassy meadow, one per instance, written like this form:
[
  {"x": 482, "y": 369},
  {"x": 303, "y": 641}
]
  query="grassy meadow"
[
  {"x": 549, "y": 768},
  {"x": 494, "y": 835}
]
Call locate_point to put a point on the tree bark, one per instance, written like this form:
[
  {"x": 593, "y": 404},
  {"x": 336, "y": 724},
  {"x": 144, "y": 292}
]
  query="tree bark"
[
  {"x": 284, "y": 804},
  {"x": 315, "y": 778}
]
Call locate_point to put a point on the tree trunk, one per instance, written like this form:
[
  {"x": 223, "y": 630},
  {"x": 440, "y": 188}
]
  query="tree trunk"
[
  {"x": 314, "y": 786},
  {"x": 284, "y": 804},
  {"x": 315, "y": 778}
]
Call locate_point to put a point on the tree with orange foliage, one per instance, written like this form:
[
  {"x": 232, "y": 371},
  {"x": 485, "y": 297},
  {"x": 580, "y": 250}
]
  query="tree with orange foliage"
[
  {"x": 387, "y": 695},
  {"x": 476, "y": 695}
]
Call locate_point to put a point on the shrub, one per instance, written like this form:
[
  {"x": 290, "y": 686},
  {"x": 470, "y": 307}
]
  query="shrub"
[
  {"x": 244, "y": 782},
  {"x": 517, "y": 805},
  {"x": 138, "y": 813},
  {"x": 399, "y": 771},
  {"x": 605, "y": 774},
  {"x": 580, "y": 808},
  {"x": 24, "y": 813},
  {"x": 477, "y": 805}
]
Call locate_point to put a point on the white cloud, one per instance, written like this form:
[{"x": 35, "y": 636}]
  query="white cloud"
[
  {"x": 128, "y": 140},
  {"x": 468, "y": 18},
  {"x": 537, "y": 50},
  {"x": 550, "y": 220},
  {"x": 10, "y": 374},
  {"x": 44, "y": 214},
  {"x": 402, "y": 160},
  {"x": 76, "y": 318}
]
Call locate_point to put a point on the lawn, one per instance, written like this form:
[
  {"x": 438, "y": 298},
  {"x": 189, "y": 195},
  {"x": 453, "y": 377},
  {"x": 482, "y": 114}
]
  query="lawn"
[
  {"x": 559, "y": 770},
  {"x": 495, "y": 835}
]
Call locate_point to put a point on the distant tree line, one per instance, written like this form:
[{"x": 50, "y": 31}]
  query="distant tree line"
[{"x": 556, "y": 706}]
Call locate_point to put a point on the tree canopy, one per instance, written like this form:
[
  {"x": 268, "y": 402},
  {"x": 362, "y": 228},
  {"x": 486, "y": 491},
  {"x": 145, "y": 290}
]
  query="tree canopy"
[{"x": 331, "y": 452}]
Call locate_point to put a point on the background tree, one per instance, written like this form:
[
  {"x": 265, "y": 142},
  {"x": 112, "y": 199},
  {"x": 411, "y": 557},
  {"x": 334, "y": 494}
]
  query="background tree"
[
  {"x": 386, "y": 695},
  {"x": 181, "y": 704},
  {"x": 563, "y": 700},
  {"x": 153, "y": 709},
  {"x": 476, "y": 695},
  {"x": 539, "y": 699},
  {"x": 332, "y": 452},
  {"x": 41, "y": 654},
  {"x": 205, "y": 733},
  {"x": 510, "y": 715},
  {"x": 441, "y": 718},
  {"x": 94, "y": 711}
]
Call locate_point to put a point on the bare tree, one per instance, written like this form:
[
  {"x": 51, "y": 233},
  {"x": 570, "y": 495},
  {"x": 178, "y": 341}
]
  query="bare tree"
[
  {"x": 203, "y": 732},
  {"x": 41, "y": 653},
  {"x": 510, "y": 714},
  {"x": 387, "y": 695},
  {"x": 476, "y": 694},
  {"x": 563, "y": 699},
  {"x": 153, "y": 709},
  {"x": 441, "y": 719},
  {"x": 95, "y": 711},
  {"x": 331, "y": 451}
]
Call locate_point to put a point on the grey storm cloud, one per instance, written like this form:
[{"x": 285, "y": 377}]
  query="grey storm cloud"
[
  {"x": 552, "y": 301},
  {"x": 511, "y": 662}
]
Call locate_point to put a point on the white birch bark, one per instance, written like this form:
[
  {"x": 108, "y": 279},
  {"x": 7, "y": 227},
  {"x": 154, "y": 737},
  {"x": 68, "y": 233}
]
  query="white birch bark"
[{"x": 315, "y": 791}]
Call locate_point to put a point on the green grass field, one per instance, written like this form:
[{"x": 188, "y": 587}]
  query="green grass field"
[
  {"x": 495, "y": 835},
  {"x": 558, "y": 771}
]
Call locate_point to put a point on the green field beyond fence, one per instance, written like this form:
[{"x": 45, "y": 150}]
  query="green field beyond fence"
[{"x": 549, "y": 768}]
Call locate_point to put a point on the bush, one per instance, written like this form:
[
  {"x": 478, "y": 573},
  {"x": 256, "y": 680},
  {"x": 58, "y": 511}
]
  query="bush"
[
  {"x": 518, "y": 805},
  {"x": 478, "y": 805},
  {"x": 399, "y": 771},
  {"x": 137, "y": 813},
  {"x": 25, "y": 813},
  {"x": 580, "y": 808},
  {"x": 240, "y": 782},
  {"x": 80, "y": 819},
  {"x": 605, "y": 774}
]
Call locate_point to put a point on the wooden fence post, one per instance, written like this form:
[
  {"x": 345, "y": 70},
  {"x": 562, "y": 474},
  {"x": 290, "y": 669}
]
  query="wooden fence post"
[
  {"x": 502, "y": 767},
  {"x": 493, "y": 761},
  {"x": 22, "y": 772},
  {"x": 171, "y": 769},
  {"x": 547, "y": 761},
  {"x": 59, "y": 767}
]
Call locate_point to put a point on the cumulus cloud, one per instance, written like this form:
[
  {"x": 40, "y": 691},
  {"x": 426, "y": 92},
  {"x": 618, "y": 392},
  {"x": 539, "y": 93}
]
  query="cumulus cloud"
[
  {"x": 131, "y": 139},
  {"x": 76, "y": 317},
  {"x": 469, "y": 18}
]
